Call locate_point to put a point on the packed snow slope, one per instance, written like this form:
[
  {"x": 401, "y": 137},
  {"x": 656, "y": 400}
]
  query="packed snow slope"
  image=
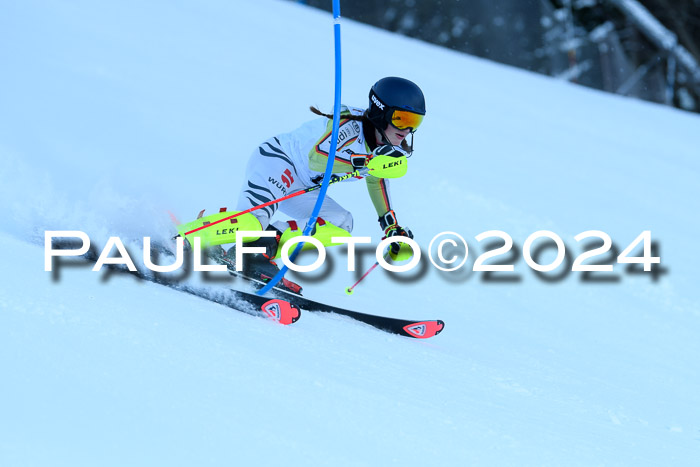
[{"x": 113, "y": 112}]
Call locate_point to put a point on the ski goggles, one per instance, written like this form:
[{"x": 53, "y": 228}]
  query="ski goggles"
[{"x": 404, "y": 119}]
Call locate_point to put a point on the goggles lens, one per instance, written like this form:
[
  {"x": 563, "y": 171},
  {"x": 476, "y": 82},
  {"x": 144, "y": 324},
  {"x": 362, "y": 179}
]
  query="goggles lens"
[{"x": 403, "y": 119}]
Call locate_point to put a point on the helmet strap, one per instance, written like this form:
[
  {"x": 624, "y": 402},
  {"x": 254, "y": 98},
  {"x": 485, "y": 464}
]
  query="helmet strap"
[
  {"x": 386, "y": 139},
  {"x": 410, "y": 145}
]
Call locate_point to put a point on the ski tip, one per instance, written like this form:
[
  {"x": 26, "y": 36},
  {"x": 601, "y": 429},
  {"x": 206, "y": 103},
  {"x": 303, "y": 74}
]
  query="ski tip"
[
  {"x": 424, "y": 329},
  {"x": 281, "y": 311}
]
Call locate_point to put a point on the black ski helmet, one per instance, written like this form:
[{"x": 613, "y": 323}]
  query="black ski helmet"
[{"x": 390, "y": 94}]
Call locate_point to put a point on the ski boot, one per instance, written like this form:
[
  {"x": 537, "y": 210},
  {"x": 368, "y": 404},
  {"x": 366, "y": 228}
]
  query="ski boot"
[{"x": 258, "y": 267}]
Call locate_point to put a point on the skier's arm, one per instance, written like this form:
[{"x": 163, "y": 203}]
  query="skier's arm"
[
  {"x": 378, "y": 189},
  {"x": 379, "y": 192}
]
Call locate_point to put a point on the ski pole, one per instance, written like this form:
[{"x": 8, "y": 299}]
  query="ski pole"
[
  {"x": 350, "y": 290},
  {"x": 334, "y": 179},
  {"x": 380, "y": 166}
]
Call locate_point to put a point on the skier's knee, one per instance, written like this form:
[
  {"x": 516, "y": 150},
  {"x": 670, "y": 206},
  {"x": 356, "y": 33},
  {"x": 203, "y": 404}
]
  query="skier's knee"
[{"x": 342, "y": 220}]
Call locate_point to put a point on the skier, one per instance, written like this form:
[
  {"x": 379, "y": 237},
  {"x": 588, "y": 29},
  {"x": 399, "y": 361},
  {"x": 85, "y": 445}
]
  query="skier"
[{"x": 294, "y": 161}]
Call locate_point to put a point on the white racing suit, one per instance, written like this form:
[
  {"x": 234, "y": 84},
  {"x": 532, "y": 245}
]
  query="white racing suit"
[{"x": 294, "y": 161}]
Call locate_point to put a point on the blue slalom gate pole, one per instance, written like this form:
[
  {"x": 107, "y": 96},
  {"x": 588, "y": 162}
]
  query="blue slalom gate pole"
[{"x": 331, "y": 154}]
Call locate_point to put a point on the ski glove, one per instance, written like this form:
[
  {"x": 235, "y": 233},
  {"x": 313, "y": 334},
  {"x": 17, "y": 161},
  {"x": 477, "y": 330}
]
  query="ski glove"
[
  {"x": 397, "y": 231},
  {"x": 359, "y": 161},
  {"x": 393, "y": 229},
  {"x": 389, "y": 150}
]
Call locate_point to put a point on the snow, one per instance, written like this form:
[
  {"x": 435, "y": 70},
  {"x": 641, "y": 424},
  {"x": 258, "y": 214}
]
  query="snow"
[{"x": 114, "y": 112}]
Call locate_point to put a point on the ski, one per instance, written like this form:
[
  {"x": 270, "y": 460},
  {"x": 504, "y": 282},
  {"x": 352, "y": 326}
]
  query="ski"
[
  {"x": 275, "y": 309},
  {"x": 415, "y": 329}
]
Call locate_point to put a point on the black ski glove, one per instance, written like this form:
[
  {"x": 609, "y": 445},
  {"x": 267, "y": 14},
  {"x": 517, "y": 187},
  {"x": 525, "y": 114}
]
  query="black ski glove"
[
  {"x": 389, "y": 150},
  {"x": 393, "y": 229},
  {"x": 359, "y": 161}
]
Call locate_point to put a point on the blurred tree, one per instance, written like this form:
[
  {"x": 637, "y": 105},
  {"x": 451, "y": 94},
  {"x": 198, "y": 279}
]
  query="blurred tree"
[
  {"x": 682, "y": 17},
  {"x": 587, "y": 41}
]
